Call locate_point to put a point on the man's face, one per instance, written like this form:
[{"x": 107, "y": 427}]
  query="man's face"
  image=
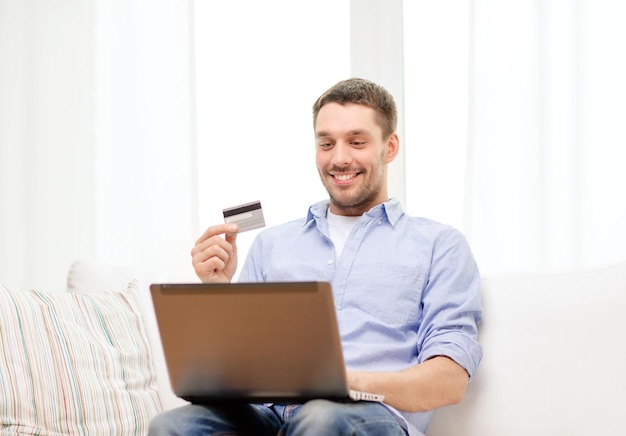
[{"x": 352, "y": 157}]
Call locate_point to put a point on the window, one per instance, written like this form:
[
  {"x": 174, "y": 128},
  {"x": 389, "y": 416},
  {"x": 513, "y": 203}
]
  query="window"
[{"x": 259, "y": 68}]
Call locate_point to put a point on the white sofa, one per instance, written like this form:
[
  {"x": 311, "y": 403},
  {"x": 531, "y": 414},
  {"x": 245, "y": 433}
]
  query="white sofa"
[
  {"x": 554, "y": 358},
  {"x": 554, "y": 354}
]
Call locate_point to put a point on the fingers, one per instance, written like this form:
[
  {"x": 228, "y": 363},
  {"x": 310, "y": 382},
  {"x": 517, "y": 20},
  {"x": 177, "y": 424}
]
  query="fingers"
[
  {"x": 214, "y": 257},
  {"x": 228, "y": 229},
  {"x": 212, "y": 252}
]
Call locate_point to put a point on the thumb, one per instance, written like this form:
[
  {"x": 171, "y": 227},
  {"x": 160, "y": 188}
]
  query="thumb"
[{"x": 231, "y": 236}]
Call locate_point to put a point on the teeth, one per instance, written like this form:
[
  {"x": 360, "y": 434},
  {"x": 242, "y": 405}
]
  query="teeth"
[{"x": 344, "y": 177}]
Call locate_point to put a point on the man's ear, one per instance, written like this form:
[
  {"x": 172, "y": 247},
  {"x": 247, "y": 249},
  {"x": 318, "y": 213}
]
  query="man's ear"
[{"x": 393, "y": 147}]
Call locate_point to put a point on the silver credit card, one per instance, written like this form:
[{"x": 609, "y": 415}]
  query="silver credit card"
[{"x": 247, "y": 216}]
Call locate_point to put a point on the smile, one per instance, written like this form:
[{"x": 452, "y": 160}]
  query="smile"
[{"x": 344, "y": 177}]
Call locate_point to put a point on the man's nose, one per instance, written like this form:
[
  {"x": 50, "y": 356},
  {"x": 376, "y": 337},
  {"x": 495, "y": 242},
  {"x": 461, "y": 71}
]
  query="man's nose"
[{"x": 342, "y": 154}]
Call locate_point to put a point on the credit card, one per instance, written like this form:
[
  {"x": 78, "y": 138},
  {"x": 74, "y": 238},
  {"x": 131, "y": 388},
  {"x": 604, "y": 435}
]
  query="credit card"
[{"x": 248, "y": 216}]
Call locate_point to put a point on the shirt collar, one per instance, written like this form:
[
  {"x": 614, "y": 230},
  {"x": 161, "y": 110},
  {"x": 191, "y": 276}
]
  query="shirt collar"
[{"x": 391, "y": 209}]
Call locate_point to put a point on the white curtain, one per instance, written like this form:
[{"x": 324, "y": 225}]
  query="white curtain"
[
  {"x": 46, "y": 139},
  {"x": 96, "y": 141},
  {"x": 547, "y": 143}
]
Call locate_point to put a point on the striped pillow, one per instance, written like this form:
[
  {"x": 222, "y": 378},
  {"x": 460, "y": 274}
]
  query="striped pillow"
[{"x": 73, "y": 364}]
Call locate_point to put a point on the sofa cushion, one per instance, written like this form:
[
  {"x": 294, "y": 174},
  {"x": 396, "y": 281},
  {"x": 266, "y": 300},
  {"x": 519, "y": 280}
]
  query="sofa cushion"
[
  {"x": 86, "y": 276},
  {"x": 554, "y": 357},
  {"x": 74, "y": 364}
]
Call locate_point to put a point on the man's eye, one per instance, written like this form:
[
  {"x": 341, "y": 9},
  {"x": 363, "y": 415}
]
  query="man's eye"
[
  {"x": 325, "y": 144},
  {"x": 358, "y": 143}
]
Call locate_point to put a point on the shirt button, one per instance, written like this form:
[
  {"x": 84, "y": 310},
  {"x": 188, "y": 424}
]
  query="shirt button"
[
  {"x": 330, "y": 261},
  {"x": 379, "y": 223}
]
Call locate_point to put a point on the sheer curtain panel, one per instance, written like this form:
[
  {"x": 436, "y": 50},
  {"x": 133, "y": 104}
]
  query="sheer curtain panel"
[{"x": 546, "y": 144}]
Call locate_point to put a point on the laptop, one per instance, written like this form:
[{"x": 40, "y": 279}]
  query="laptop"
[{"x": 252, "y": 342}]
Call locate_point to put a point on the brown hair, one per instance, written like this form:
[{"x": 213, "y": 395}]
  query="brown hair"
[{"x": 365, "y": 92}]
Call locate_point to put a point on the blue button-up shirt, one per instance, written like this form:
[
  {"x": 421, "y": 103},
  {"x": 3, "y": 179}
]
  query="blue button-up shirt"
[{"x": 406, "y": 289}]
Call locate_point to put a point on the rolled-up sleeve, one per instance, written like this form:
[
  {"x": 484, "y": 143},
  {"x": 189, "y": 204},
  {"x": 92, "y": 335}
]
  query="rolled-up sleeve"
[{"x": 452, "y": 307}]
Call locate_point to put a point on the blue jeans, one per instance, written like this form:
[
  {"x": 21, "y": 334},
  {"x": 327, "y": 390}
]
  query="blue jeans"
[{"x": 314, "y": 418}]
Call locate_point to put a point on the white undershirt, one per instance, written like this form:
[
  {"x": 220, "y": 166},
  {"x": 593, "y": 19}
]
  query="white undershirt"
[{"x": 339, "y": 227}]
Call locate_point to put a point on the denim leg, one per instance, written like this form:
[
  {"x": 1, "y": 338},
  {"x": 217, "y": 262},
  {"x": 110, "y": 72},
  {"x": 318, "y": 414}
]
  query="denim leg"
[
  {"x": 322, "y": 417},
  {"x": 196, "y": 420}
]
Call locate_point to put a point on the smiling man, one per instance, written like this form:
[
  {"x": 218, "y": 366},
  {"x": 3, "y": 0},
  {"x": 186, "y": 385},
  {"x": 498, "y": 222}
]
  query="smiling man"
[
  {"x": 352, "y": 155},
  {"x": 406, "y": 289}
]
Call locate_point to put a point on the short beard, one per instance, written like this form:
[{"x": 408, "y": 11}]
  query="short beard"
[{"x": 362, "y": 201}]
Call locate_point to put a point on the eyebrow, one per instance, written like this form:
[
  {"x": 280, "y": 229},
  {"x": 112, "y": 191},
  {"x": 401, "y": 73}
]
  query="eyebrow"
[{"x": 322, "y": 134}]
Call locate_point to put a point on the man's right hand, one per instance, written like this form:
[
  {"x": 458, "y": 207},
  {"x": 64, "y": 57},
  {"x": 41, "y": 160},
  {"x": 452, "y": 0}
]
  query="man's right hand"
[{"x": 214, "y": 257}]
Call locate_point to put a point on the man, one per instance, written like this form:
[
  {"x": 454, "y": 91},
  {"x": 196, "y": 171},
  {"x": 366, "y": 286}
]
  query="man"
[{"x": 406, "y": 289}]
